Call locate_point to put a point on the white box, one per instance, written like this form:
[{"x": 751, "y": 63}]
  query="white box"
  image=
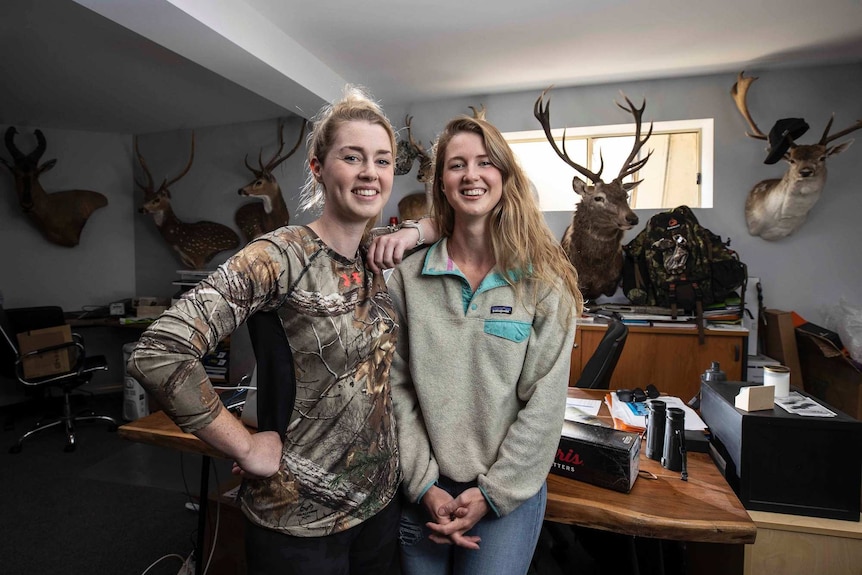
[{"x": 755, "y": 367}]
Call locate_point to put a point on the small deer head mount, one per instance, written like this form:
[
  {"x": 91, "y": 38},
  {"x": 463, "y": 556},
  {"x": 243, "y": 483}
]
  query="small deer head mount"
[
  {"x": 410, "y": 151},
  {"x": 195, "y": 243},
  {"x": 776, "y": 208},
  {"x": 257, "y": 218},
  {"x": 593, "y": 241},
  {"x": 59, "y": 216}
]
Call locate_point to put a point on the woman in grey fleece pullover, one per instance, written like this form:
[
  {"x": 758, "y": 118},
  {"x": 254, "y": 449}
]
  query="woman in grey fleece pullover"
[{"x": 481, "y": 367}]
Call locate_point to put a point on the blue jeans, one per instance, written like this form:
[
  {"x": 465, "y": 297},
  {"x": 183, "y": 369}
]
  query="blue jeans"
[{"x": 506, "y": 548}]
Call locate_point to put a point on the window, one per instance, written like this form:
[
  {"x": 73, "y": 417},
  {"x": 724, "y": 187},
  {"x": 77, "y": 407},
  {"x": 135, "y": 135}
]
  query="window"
[{"x": 678, "y": 172}]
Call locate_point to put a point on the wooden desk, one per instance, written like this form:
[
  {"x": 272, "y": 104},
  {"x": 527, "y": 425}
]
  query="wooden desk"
[
  {"x": 702, "y": 509},
  {"x": 798, "y": 545},
  {"x": 158, "y": 429},
  {"x": 672, "y": 359}
]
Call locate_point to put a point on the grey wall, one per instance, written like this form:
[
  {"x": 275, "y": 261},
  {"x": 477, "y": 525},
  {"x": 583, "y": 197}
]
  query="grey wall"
[
  {"x": 101, "y": 268},
  {"x": 122, "y": 253},
  {"x": 805, "y": 272},
  {"x": 209, "y": 190}
]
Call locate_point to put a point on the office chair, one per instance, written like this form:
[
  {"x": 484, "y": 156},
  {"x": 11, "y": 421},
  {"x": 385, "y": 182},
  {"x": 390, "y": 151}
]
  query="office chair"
[
  {"x": 83, "y": 367},
  {"x": 276, "y": 378},
  {"x": 600, "y": 367}
]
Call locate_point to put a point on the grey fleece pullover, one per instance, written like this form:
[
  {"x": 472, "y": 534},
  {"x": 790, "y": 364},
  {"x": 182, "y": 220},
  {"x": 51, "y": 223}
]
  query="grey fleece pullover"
[{"x": 478, "y": 379}]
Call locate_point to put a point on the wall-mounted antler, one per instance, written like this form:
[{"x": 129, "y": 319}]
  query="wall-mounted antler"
[
  {"x": 59, "y": 216},
  {"x": 426, "y": 167},
  {"x": 196, "y": 243},
  {"x": 776, "y": 208},
  {"x": 593, "y": 241},
  {"x": 257, "y": 218}
]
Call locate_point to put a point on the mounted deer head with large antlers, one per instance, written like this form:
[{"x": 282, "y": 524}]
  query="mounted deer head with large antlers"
[
  {"x": 257, "y": 218},
  {"x": 593, "y": 241},
  {"x": 776, "y": 208},
  {"x": 195, "y": 243},
  {"x": 59, "y": 216}
]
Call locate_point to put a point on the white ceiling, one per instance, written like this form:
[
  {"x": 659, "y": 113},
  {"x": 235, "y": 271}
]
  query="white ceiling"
[{"x": 134, "y": 66}]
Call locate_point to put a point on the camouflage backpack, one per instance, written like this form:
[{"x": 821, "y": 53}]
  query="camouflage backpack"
[{"x": 677, "y": 263}]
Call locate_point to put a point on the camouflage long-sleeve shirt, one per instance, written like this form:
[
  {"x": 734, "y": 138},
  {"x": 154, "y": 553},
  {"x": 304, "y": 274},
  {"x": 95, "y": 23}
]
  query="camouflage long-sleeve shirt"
[{"x": 340, "y": 460}]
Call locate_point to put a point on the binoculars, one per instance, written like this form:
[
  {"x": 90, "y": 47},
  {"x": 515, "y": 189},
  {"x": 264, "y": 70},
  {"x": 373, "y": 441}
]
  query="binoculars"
[{"x": 665, "y": 436}]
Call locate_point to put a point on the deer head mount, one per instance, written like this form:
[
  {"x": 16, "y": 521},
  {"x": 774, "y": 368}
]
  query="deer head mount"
[
  {"x": 776, "y": 208},
  {"x": 59, "y": 216},
  {"x": 593, "y": 241},
  {"x": 257, "y": 218},
  {"x": 195, "y": 243},
  {"x": 410, "y": 151}
]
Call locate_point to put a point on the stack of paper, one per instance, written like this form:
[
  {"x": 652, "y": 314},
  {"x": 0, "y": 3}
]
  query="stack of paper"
[{"x": 630, "y": 416}]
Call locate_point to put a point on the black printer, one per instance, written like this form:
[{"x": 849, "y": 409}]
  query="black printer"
[{"x": 782, "y": 462}]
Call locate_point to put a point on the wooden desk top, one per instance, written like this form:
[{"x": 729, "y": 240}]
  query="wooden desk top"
[
  {"x": 158, "y": 429},
  {"x": 704, "y": 508}
]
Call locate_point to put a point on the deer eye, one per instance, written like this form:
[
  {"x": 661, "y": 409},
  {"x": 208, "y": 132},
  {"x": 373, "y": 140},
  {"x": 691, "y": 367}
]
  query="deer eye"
[{"x": 599, "y": 199}]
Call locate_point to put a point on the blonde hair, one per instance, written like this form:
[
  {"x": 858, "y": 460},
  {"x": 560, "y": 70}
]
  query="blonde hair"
[
  {"x": 523, "y": 244},
  {"x": 355, "y": 105}
]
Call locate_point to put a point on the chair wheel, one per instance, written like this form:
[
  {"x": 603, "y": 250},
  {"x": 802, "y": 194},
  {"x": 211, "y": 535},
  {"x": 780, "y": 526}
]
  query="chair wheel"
[
  {"x": 15, "y": 448},
  {"x": 70, "y": 447}
]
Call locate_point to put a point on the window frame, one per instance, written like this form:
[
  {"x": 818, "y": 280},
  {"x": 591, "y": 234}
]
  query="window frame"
[{"x": 706, "y": 144}]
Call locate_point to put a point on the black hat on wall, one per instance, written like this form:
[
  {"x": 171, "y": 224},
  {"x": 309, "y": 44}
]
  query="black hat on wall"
[{"x": 782, "y": 135}]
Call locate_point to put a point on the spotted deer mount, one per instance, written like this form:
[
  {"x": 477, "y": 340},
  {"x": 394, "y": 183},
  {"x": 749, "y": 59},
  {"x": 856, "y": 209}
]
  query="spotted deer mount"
[
  {"x": 59, "y": 216},
  {"x": 270, "y": 213},
  {"x": 593, "y": 241},
  {"x": 776, "y": 208},
  {"x": 195, "y": 243}
]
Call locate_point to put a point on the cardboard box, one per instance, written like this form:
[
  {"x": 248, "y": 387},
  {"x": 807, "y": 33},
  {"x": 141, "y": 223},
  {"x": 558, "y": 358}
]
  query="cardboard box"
[
  {"x": 780, "y": 342},
  {"x": 149, "y": 307},
  {"x": 755, "y": 367},
  {"x": 599, "y": 455},
  {"x": 49, "y": 363},
  {"x": 830, "y": 375}
]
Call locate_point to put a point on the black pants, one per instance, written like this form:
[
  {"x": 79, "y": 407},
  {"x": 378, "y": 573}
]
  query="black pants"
[{"x": 369, "y": 548}]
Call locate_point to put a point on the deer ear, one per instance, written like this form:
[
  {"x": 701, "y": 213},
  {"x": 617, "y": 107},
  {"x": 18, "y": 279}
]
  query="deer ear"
[
  {"x": 51, "y": 163},
  {"x": 579, "y": 186},
  {"x": 839, "y": 148},
  {"x": 629, "y": 186}
]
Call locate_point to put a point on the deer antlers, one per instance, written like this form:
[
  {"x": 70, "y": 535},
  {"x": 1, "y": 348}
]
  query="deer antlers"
[
  {"x": 148, "y": 189},
  {"x": 275, "y": 160},
  {"x": 542, "y": 112},
  {"x": 739, "y": 91}
]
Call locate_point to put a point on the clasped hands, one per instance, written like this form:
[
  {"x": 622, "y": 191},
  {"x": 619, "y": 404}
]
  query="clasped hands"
[{"x": 453, "y": 517}]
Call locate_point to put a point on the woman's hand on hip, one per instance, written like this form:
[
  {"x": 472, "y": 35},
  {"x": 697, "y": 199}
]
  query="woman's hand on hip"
[{"x": 264, "y": 457}]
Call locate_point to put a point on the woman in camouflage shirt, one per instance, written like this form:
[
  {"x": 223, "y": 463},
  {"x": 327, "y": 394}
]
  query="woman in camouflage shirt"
[{"x": 321, "y": 497}]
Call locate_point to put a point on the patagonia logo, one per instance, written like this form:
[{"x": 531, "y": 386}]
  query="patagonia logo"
[
  {"x": 672, "y": 224},
  {"x": 501, "y": 309}
]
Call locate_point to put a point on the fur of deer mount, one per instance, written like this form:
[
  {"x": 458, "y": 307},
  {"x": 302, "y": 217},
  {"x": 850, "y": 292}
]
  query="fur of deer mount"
[
  {"x": 59, "y": 216},
  {"x": 776, "y": 208},
  {"x": 270, "y": 213},
  {"x": 593, "y": 241},
  {"x": 196, "y": 243}
]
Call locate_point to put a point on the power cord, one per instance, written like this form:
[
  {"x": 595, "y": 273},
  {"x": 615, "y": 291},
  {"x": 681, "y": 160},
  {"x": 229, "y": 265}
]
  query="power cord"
[{"x": 162, "y": 558}]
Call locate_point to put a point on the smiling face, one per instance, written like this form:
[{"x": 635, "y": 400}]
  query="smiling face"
[
  {"x": 357, "y": 172},
  {"x": 472, "y": 185}
]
